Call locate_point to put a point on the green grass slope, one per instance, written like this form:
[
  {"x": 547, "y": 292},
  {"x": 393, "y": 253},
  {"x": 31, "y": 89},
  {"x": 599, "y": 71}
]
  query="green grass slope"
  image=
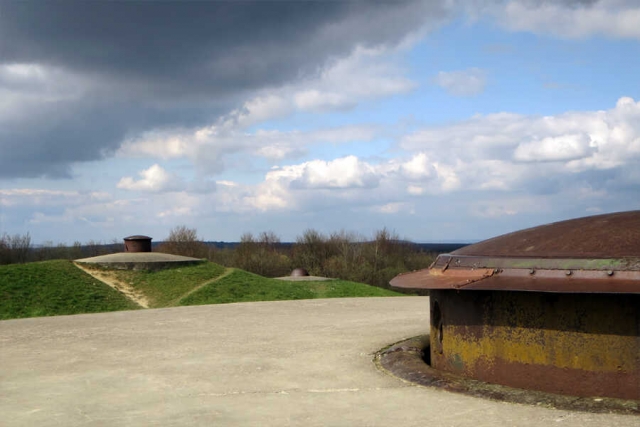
[
  {"x": 242, "y": 286},
  {"x": 52, "y": 288},
  {"x": 58, "y": 287},
  {"x": 347, "y": 289},
  {"x": 165, "y": 287}
]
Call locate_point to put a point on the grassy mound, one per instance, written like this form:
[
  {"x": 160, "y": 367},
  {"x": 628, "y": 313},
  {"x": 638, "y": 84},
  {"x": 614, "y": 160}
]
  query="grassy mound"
[
  {"x": 165, "y": 288},
  {"x": 52, "y": 288},
  {"x": 242, "y": 286},
  {"x": 58, "y": 287},
  {"x": 347, "y": 289}
]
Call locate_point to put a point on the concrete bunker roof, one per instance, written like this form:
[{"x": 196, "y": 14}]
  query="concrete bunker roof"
[{"x": 140, "y": 261}]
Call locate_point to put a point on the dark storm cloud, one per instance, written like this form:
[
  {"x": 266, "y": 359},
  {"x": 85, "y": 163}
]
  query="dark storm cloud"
[
  {"x": 78, "y": 132},
  {"x": 175, "y": 63},
  {"x": 229, "y": 45}
]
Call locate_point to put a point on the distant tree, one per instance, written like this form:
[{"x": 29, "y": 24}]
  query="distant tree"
[
  {"x": 5, "y": 250},
  {"x": 243, "y": 254},
  {"x": 14, "y": 249},
  {"x": 262, "y": 255},
  {"x": 350, "y": 256},
  {"x": 75, "y": 251},
  {"x": 94, "y": 248},
  {"x": 344, "y": 255},
  {"x": 184, "y": 241},
  {"x": 311, "y": 251}
]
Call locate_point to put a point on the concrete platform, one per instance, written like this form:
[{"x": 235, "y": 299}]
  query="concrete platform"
[
  {"x": 251, "y": 364},
  {"x": 139, "y": 261}
]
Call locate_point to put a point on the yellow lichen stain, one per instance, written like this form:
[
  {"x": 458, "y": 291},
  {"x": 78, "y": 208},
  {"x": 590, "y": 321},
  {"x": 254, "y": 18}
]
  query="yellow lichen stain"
[
  {"x": 592, "y": 333},
  {"x": 574, "y": 350}
]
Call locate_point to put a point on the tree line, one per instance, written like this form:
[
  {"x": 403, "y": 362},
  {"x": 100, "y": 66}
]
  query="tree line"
[
  {"x": 18, "y": 248},
  {"x": 344, "y": 255}
]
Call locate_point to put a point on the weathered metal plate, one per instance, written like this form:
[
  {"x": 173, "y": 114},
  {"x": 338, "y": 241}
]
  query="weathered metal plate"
[
  {"x": 559, "y": 285},
  {"x": 446, "y": 261},
  {"x": 436, "y": 279},
  {"x": 615, "y": 235},
  {"x": 522, "y": 279}
]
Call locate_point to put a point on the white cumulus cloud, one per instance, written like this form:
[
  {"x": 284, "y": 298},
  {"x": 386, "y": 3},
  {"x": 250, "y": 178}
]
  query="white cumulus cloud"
[
  {"x": 365, "y": 74},
  {"x": 558, "y": 148},
  {"x": 314, "y": 100},
  {"x": 415, "y": 190},
  {"x": 574, "y": 141},
  {"x": 419, "y": 167},
  {"x": 613, "y": 18},
  {"x": 463, "y": 82},
  {"x": 346, "y": 172},
  {"x": 155, "y": 179}
]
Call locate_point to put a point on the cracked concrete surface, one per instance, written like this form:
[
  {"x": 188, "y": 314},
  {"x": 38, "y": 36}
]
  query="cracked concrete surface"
[{"x": 248, "y": 364}]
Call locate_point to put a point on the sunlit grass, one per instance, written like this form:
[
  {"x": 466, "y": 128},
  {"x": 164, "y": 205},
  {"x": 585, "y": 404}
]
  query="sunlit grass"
[
  {"x": 52, "y": 288},
  {"x": 165, "y": 287},
  {"x": 58, "y": 287},
  {"x": 242, "y": 286}
]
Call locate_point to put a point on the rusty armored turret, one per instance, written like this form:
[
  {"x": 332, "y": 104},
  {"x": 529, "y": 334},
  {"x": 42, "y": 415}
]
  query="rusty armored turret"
[{"x": 554, "y": 308}]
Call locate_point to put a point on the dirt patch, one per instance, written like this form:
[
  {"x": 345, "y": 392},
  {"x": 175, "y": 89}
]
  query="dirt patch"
[{"x": 110, "y": 278}]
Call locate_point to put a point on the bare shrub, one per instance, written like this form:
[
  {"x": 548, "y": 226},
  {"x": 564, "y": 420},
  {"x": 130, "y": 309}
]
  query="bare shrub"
[
  {"x": 311, "y": 251},
  {"x": 184, "y": 241},
  {"x": 93, "y": 248},
  {"x": 15, "y": 249},
  {"x": 350, "y": 256},
  {"x": 5, "y": 250},
  {"x": 262, "y": 255}
]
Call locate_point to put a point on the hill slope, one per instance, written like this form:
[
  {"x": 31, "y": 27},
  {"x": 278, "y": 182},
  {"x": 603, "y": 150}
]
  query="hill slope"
[
  {"x": 241, "y": 286},
  {"x": 164, "y": 288},
  {"x": 59, "y": 287},
  {"x": 51, "y": 288}
]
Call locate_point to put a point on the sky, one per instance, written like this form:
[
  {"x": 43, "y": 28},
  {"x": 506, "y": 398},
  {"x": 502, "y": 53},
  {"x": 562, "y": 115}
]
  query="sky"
[{"x": 443, "y": 121}]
